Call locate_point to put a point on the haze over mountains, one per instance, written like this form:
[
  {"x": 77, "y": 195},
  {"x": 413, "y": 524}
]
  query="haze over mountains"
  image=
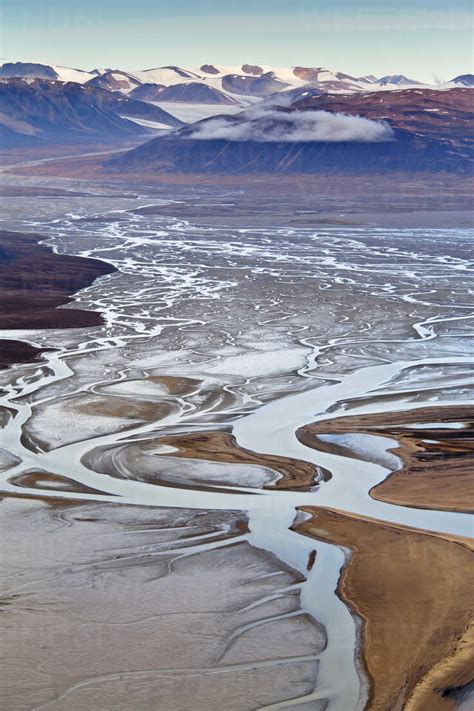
[{"x": 246, "y": 118}]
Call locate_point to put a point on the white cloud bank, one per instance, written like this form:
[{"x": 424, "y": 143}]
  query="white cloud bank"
[{"x": 270, "y": 125}]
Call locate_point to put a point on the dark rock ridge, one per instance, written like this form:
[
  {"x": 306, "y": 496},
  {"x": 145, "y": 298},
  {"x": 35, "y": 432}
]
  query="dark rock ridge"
[
  {"x": 431, "y": 133},
  {"x": 209, "y": 69},
  {"x": 113, "y": 81},
  {"x": 260, "y": 86},
  {"x": 43, "y": 112},
  {"x": 103, "y": 70},
  {"x": 182, "y": 72},
  {"x": 252, "y": 69},
  {"x": 464, "y": 79},
  {"x": 308, "y": 74}
]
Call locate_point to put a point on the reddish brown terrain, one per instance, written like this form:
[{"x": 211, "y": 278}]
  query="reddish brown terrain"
[
  {"x": 429, "y": 131},
  {"x": 35, "y": 282},
  {"x": 437, "y": 469},
  {"x": 427, "y": 112},
  {"x": 410, "y": 588}
]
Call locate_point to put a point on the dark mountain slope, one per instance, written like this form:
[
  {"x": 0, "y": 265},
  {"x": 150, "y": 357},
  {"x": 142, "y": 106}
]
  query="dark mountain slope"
[
  {"x": 38, "y": 112},
  {"x": 129, "y": 107},
  {"x": 405, "y": 153},
  {"x": 430, "y": 132},
  {"x": 464, "y": 80}
]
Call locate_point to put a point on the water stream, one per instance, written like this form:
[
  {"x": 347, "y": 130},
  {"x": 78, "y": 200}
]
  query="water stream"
[{"x": 241, "y": 308}]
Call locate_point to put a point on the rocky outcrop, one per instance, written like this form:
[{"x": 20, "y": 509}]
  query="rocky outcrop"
[
  {"x": 114, "y": 81},
  {"x": 209, "y": 69},
  {"x": 252, "y": 69},
  {"x": 464, "y": 80},
  {"x": 260, "y": 86}
]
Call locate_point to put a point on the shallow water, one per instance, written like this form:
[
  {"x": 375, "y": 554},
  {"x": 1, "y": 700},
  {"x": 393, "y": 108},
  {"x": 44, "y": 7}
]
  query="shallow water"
[{"x": 275, "y": 327}]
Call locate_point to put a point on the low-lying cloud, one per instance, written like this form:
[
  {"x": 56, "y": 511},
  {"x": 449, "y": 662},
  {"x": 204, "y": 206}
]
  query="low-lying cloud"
[{"x": 269, "y": 125}]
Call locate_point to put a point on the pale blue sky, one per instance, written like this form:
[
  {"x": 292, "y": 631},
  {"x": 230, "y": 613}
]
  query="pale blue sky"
[{"x": 428, "y": 39}]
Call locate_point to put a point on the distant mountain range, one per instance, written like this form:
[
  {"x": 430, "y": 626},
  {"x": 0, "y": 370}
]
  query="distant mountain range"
[
  {"x": 213, "y": 84},
  {"x": 243, "y": 119},
  {"x": 416, "y": 130}
]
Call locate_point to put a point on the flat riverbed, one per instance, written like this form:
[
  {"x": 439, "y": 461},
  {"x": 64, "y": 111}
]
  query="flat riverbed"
[{"x": 192, "y": 482}]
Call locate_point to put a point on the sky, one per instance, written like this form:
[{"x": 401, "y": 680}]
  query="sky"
[{"x": 430, "y": 40}]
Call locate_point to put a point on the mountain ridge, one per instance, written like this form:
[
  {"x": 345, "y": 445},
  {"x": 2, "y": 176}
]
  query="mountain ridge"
[
  {"x": 39, "y": 111},
  {"x": 410, "y": 130},
  {"x": 248, "y": 79}
]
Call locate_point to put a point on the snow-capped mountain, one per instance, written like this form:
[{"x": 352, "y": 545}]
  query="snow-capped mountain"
[
  {"x": 412, "y": 130},
  {"x": 36, "y": 112},
  {"x": 463, "y": 80},
  {"x": 220, "y": 84},
  {"x": 43, "y": 102},
  {"x": 168, "y": 76},
  {"x": 398, "y": 80},
  {"x": 38, "y": 70},
  {"x": 192, "y": 92},
  {"x": 115, "y": 81}
]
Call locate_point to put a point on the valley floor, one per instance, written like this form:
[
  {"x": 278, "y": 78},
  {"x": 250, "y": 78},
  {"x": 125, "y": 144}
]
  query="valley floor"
[{"x": 245, "y": 483}]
